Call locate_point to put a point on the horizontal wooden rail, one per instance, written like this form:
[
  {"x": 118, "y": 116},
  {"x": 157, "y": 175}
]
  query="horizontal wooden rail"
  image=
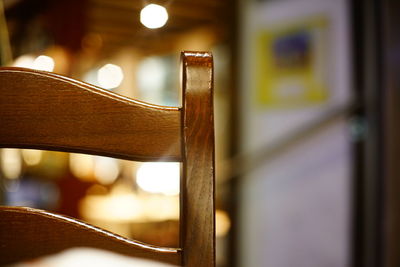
[
  {"x": 58, "y": 113},
  {"x": 44, "y": 232}
]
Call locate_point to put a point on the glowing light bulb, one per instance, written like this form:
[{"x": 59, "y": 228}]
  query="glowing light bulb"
[
  {"x": 159, "y": 177},
  {"x": 106, "y": 170},
  {"x": 110, "y": 76},
  {"x": 222, "y": 223},
  {"x": 11, "y": 163},
  {"x": 24, "y": 61},
  {"x": 153, "y": 16},
  {"x": 81, "y": 166},
  {"x": 31, "y": 156},
  {"x": 43, "y": 63}
]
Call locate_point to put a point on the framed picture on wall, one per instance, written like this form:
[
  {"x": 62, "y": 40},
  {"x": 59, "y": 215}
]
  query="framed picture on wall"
[{"x": 291, "y": 63}]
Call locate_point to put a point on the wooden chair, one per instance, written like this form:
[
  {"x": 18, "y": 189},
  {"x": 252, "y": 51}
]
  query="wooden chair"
[{"x": 43, "y": 110}]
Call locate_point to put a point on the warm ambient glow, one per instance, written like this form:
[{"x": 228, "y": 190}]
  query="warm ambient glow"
[
  {"x": 11, "y": 163},
  {"x": 159, "y": 177},
  {"x": 222, "y": 223},
  {"x": 24, "y": 61},
  {"x": 89, "y": 168},
  {"x": 153, "y": 16},
  {"x": 32, "y": 156},
  {"x": 106, "y": 170},
  {"x": 81, "y": 166},
  {"x": 123, "y": 205},
  {"x": 110, "y": 76},
  {"x": 119, "y": 207},
  {"x": 42, "y": 62}
]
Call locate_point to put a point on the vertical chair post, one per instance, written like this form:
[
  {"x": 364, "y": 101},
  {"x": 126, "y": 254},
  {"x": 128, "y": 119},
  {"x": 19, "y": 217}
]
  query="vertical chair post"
[{"x": 197, "y": 230}]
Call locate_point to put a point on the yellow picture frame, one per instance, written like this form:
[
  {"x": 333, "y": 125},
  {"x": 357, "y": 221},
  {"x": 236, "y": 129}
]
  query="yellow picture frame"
[{"x": 291, "y": 64}]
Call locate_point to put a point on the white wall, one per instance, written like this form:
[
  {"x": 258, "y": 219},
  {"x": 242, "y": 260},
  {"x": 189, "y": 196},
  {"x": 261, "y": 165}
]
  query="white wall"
[{"x": 295, "y": 209}]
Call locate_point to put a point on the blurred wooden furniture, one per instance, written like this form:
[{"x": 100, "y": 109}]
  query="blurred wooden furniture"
[{"x": 43, "y": 110}]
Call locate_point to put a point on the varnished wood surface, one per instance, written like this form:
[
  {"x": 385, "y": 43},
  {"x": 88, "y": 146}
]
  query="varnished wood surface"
[
  {"x": 28, "y": 233},
  {"x": 197, "y": 187},
  {"x": 48, "y": 111}
]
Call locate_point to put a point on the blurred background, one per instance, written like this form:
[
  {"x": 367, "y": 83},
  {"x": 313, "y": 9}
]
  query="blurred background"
[{"x": 305, "y": 117}]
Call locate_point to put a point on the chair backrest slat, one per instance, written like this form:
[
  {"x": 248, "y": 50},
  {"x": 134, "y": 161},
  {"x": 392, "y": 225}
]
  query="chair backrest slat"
[
  {"x": 22, "y": 229},
  {"x": 47, "y": 111}
]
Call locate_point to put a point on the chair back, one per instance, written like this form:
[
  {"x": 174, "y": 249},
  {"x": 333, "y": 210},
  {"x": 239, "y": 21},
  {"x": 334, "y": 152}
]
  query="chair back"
[{"x": 43, "y": 110}]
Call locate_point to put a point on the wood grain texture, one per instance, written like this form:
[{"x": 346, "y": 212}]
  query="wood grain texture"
[
  {"x": 47, "y": 111},
  {"x": 197, "y": 187},
  {"x": 28, "y": 233}
]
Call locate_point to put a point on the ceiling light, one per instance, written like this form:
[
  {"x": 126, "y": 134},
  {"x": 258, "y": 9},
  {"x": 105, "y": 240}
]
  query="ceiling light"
[
  {"x": 43, "y": 63},
  {"x": 11, "y": 162},
  {"x": 81, "y": 166},
  {"x": 24, "y": 61},
  {"x": 106, "y": 170},
  {"x": 153, "y": 16},
  {"x": 159, "y": 177},
  {"x": 110, "y": 76},
  {"x": 222, "y": 223},
  {"x": 32, "y": 156}
]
